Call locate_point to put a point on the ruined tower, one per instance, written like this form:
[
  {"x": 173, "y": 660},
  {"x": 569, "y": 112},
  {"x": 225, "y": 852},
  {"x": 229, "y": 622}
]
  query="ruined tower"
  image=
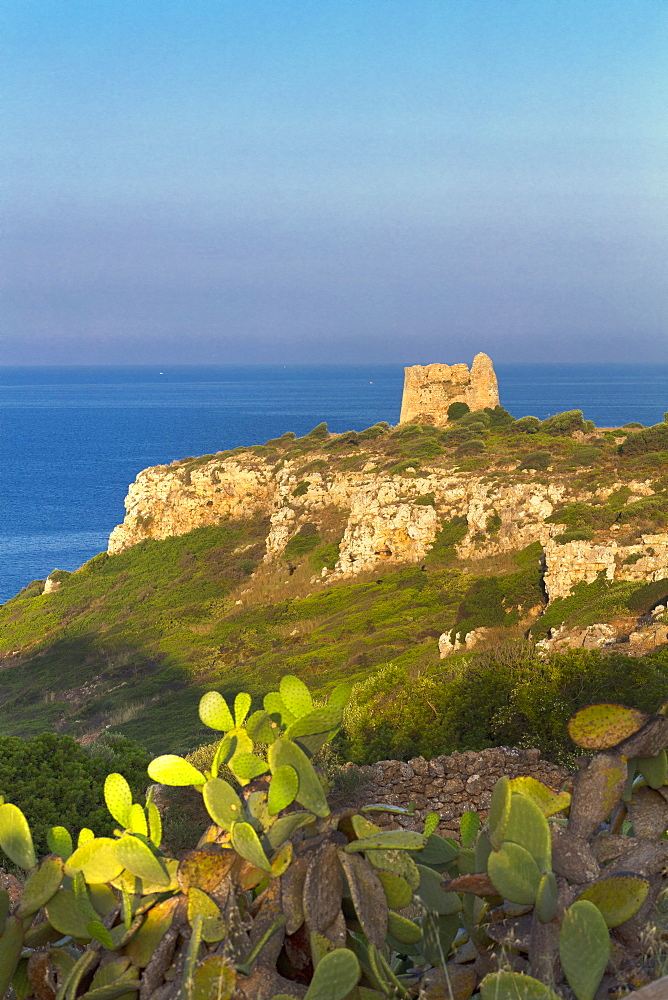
[{"x": 430, "y": 389}]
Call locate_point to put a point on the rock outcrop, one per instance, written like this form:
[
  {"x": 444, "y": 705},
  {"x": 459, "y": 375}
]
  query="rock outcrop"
[
  {"x": 384, "y": 521},
  {"x": 430, "y": 389}
]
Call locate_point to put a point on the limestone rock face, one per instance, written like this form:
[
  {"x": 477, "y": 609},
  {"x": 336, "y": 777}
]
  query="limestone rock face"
[
  {"x": 172, "y": 500},
  {"x": 572, "y": 562},
  {"x": 430, "y": 389}
]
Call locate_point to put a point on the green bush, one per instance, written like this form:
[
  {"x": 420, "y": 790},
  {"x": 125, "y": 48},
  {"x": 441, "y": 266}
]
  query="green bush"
[
  {"x": 448, "y": 536},
  {"x": 507, "y": 696},
  {"x": 579, "y": 535},
  {"x": 378, "y": 430},
  {"x": 301, "y": 488},
  {"x": 565, "y": 424},
  {"x": 493, "y": 524},
  {"x": 473, "y": 447},
  {"x": 538, "y": 460},
  {"x": 457, "y": 410},
  {"x": 54, "y": 780},
  {"x": 527, "y": 425},
  {"x": 426, "y": 500},
  {"x": 642, "y": 442},
  {"x": 306, "y": 539},
  {"x": 645, "y": 598},
  {"x": 324, "y": 556},
  {"x": 499, "y": 418}
]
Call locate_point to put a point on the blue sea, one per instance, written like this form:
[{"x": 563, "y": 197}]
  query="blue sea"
[{"x": 72, "y": 439}]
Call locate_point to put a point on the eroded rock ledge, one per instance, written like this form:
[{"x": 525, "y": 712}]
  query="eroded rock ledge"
[{"x": 388, "y": 519}]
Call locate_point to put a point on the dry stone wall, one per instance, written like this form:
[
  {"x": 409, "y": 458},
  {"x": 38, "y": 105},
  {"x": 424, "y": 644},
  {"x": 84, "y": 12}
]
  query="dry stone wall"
[
  {"x": 430, "y": 389},
  {"x": 449, "y": 785}
]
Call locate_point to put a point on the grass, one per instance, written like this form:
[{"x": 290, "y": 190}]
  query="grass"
[{"x": 131, "y": 641}]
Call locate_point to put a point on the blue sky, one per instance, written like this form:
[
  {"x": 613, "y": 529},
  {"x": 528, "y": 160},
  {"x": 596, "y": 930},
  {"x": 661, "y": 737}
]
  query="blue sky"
[{"x": 319, "y": 180}]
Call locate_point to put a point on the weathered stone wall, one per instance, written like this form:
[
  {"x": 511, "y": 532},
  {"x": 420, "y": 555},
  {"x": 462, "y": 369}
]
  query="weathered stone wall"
[
  {"x": 448, "y": 785},
  {"x": 430, "y": 389}
]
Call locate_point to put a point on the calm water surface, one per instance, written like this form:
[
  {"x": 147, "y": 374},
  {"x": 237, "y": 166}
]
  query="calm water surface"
[{"x": 73, "y": 438}]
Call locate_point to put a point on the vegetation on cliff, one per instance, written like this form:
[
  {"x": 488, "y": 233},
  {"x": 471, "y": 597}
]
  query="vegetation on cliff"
[{"x": 133, "y": 636}]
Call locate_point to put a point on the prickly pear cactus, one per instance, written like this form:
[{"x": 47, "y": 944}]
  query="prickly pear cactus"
[{"x": 283, "y": 897}]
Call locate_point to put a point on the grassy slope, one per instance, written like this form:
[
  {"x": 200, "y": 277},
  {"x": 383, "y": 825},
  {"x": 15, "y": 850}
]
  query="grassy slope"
[{"x": 130, "y": 641}]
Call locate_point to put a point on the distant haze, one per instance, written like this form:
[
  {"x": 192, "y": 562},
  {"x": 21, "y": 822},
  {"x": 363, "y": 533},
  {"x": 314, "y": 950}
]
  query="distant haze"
[{"x": 313, "y": 181}]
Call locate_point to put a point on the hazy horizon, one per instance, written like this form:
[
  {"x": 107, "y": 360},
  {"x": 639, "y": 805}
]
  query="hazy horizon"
[{"x": 246, "y": 182}]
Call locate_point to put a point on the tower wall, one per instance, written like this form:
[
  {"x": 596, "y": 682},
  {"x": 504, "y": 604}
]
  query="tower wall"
[{"x": 430, "y": 389}]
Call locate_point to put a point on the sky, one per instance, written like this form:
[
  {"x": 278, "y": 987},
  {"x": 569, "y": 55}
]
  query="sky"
[{"x": 267, "y": 181}]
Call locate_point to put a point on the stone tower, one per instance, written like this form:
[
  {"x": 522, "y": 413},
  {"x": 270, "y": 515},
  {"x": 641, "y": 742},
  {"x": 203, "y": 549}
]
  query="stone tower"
[{"x": 430, "y": 389}]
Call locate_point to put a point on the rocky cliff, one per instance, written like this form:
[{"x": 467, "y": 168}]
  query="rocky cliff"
[
  {"x": 389, "y": 519},
  {"x": 430, "y": 389}
]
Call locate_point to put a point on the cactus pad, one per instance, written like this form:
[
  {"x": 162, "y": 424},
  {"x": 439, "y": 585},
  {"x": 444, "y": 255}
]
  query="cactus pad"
[
  {"x": 368, "y": 897},
  {"x": 118, "y": 798},
  {"x": 654, "y": 769},
  {"x": 295, "y": 696},
  {"x": 60, "y": 842},
  {"x": 96, "y": 859},
  {"x": 242, "y": 704},
  {"x": 499, "y": 812},
  {"x": 507, "y": 985},
  {"x": 387, "y": 840},
  {"x": 276, "y": 708},
  {"x": 213, "y": 979},
  {"x": 205, "y": 867},
  {"x": 137, "y": 820},
  {"x": 397, "y": 890},
  {"x": 469, "y": 824},
  {"x": 528, "y": 827},
  {"x": 172, "y": 770},
  {"x": 584, "y": 948},
  {"x": 222, "y": 802},
  {"x": 514, "y": 873},
  {"x": 213, "y": 924},
  {"x": 599, "y": 727},
  {"x": 618, "y": 896},
  {"x": 247, "y": 766},
  {"x": 547, "y": 898},
  {"x": 548, "y": 800},
  {"x": 40, "y": 886},
  {"x": 141, "y": 861},
  {"x": 336, "y": 975},
  {"x": 214, "y": 712},
  {"x": 310, "y": 793},
  {"x": 65, "y": 914},
  {"x": 11, "y": 943},
  {"x": 247, "y": 843},
  {"x": 15, "y": 836},
  {"x": 431, "y": 894},
  {"x": 282, "y": 789},
  {"x": 402, "y": 929}
]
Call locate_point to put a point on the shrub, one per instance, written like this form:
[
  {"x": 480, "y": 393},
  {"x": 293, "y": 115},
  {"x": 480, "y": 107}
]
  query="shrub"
[
  {"x": 642, "y": 442},
  {"x": 457, "y": 410},
  {"x": 448, "y": 536},
  {"x": 585, "y": 456},
  {"x": 538, "y": 460},
  {"x": 378, "y": 430},
  {"x": 426, "y": 500},
  {"x": 473, "y": 447},
  {"x": 565, "y": 424},
  {"x": 493, "y": 524},
  {"x": 303, "y": 542},
  {"x": 324, "y": 556},
  {"x": 527, "y": 425},
  {"x": 499, "y": 418},
  {"x": 55, "y": 780},
  {"x": 645, "y": 598},
  {"x": 579, "y": 535},
  {"x": 319, "y": 432},
  {"x": 301, "y": 488}
]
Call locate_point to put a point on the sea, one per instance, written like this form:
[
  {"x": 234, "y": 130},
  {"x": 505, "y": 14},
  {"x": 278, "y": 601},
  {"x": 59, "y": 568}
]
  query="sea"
[{"x": 73, "y": 438}]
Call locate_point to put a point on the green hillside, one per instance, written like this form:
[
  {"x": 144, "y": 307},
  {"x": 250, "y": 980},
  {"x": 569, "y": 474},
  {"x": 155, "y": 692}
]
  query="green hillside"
[{"x": 130, "y": 641}]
